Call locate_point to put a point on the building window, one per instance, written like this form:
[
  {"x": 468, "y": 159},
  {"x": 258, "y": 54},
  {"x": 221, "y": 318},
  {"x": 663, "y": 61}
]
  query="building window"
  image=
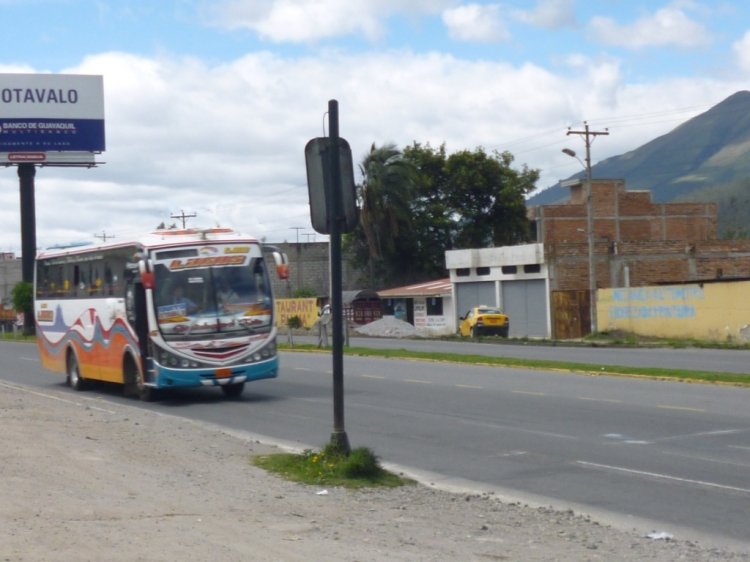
[
  {"x": 532, "y": 268},
  {"x": 483, "y": 270},
  {"x": 509, "y": 269},
  {"x": 435, "y": 306},
  {"x": 463, "y": 271}
]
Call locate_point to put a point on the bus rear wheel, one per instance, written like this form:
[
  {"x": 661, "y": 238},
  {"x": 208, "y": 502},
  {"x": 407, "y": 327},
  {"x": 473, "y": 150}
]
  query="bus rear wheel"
[
  {"x": 233, "y": 390},
  {"x": 75, "y": 380}
]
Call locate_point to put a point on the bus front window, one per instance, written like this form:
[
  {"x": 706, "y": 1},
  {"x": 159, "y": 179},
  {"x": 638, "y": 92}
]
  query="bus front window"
[{"x": 213, "y": 301}]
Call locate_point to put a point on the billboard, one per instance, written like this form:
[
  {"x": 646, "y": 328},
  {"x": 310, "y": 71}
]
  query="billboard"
[{"x": 51, "y": 118}]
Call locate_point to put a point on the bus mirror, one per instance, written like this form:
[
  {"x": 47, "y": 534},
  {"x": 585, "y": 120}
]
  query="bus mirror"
[
  {"x": 147, "y": 273},
  {"x": 281, "y": 260}
]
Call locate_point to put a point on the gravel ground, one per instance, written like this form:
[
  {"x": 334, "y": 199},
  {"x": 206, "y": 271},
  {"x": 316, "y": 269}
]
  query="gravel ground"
[{"x": 85, "y": 480}]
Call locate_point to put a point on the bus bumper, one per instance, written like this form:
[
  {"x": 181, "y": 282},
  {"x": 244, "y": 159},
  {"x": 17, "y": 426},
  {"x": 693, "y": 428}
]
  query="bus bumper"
[{"x": 168, "y": 377}]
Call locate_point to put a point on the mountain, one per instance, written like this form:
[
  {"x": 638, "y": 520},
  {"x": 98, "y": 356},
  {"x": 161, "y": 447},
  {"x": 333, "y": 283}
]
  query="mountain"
[{"x": 705, "y": 159}]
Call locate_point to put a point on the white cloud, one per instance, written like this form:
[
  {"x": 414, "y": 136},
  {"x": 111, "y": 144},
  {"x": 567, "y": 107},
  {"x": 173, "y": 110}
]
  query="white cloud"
[
  {"x": 550, "y": 14},
  {"x": 312, "y": 20},
  {"x": 226, "y": 141},
  {"x": 741, "y": 50},
  {"x": 666, "y": 26},
  {"x": 476, "y": 22}
]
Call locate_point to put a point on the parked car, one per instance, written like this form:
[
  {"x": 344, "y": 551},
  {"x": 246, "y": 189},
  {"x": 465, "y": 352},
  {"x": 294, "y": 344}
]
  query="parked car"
[{"x": 484, "y": 320}]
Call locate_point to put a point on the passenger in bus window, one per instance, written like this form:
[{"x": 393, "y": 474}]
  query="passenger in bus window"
[
  {"x": 178, "y": 297},
  {"x": 225, "y": 293}
]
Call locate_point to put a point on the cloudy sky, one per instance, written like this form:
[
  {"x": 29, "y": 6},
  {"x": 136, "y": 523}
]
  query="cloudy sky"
[{"x": 209, "y": 103}]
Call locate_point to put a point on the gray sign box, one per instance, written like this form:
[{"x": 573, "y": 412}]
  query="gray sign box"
[{"x": 320, "y": 184}]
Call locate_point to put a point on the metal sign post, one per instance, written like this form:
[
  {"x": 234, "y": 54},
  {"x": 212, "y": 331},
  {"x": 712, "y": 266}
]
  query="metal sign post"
[{"x": 333, "y": 209}]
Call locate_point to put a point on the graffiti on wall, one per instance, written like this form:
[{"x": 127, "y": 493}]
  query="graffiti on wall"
[{"x": 655, "y": 302}]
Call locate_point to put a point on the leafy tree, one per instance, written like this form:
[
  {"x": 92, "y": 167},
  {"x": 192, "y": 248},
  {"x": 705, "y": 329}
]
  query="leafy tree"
[
  {"x": 486, "y": 198},
  {"x": 417, "y": 204},
  {"x": 23, "y": 301},
  {"x": 381, "y": 242}
]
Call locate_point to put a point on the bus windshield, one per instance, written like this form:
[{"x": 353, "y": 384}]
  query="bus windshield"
[{"x": 213, "y": 301}]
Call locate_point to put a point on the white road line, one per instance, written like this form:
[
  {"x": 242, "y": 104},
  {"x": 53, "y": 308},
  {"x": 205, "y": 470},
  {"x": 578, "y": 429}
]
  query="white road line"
[
  {"x": 682, "y": 408},
  {"x": 379, "y": 377},
  {"x": 473, "y": 387},
  {"x": 664, "y": 477},
  {"x": 417, "y": 381},
  {"x": 528, "y": 392},
  {"x": 608, "y": 400}
]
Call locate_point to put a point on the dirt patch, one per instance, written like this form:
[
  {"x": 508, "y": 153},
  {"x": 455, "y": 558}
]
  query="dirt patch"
[{"x": 84, "y": 479}]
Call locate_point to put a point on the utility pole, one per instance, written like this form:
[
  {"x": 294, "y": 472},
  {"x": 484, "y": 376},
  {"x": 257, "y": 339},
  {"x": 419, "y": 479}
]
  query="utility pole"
[
  {"x": 182, "y": 216},
  {"x": 588, "y": 136},
  {"x": 104, "y": 236}
]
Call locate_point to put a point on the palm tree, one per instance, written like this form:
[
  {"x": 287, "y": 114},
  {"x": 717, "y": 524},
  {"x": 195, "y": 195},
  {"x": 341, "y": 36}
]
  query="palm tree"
[{"x": 385, "y": 197}]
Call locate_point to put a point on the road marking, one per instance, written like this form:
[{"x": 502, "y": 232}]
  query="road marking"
[
  {"x": 302, "y": 369},
  {"x": 417, "y": 381},
  {"x": 664, "y": 476},
  {"x": 379, "y": 377},
  {"x": 609, "y": 400},
  {"x": 469, "y": 386},
  {"x": 528, "y": 392},
  {"x": 681, "y": 408},
  {"x": 509, "y": 454},
  {"x": 739, "y": 447}
]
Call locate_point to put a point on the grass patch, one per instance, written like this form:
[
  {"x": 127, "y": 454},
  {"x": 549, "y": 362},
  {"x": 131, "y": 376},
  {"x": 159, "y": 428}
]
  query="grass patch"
[
  {"x": 499, "y": 361},
  {"x": 16, "y": 337},
  {"x": 330, "y": 467}
]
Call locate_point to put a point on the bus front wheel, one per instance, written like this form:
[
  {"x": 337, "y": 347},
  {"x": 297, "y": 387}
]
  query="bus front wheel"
[
  {"x": 134, "y": 383},
  {"x": 75, "y": 380},
  {"x": 233, "y": 390}
]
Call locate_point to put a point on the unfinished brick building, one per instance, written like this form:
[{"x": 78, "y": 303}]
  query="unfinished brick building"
[{"x": 636, "y": 243}]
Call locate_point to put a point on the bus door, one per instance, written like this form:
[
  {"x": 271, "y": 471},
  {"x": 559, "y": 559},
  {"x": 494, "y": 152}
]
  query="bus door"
[{"x": 136, "y": 310}]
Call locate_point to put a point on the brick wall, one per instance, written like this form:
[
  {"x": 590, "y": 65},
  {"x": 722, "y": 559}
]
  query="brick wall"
[{"x": 635, "y": 240}]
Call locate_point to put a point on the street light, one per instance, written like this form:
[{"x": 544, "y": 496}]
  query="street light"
[{"x": 589, "y": 234}]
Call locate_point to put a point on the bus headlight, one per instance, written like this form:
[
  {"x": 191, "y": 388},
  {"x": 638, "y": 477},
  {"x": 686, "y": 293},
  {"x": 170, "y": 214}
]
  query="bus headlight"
[{"x": 171, "y": 360}]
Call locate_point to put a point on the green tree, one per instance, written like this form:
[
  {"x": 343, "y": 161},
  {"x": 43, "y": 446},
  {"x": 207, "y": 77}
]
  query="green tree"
[
  {"x": 23, "y": 301},
  {"x": 381, "y": 242},
  {"x": 417, "y": 204},
  {"x": 486, "y": 198},
  {"x": 433, "y": 228}
]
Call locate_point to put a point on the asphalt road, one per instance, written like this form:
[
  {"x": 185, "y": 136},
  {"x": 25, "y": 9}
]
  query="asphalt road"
[{"x": 671, "y": 456}]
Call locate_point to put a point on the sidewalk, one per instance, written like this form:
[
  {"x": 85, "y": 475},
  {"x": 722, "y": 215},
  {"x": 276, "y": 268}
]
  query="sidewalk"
[{"x": 83, "y": 479}]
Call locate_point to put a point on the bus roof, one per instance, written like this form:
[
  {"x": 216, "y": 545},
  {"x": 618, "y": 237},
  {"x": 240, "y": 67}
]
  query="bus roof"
[{"x": 161, "y": 238}]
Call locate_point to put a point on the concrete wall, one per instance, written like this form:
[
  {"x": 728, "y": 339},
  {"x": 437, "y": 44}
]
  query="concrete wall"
[
  {"x": 705, "y": 311},
  {"x": 434, "y": 325},
  {"x": 10, "y": 275}
]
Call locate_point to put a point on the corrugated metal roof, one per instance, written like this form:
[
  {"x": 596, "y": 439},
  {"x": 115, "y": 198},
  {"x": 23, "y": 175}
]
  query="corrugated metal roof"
[{"x": 437, "y": 288}]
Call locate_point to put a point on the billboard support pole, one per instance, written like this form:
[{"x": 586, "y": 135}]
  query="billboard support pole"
[{"x": 26, "y": 173}]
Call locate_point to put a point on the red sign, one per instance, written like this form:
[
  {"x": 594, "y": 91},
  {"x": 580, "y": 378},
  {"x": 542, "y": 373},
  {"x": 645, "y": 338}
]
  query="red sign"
[{"x": 26, "y": 157}]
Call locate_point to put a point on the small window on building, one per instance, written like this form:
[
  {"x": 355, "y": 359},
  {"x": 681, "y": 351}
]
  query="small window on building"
[
  {"x": 483, "y": 270},
  {"x": 532, "y": 268},
  {"x": 463, "y": 271},
  {"x": 388, "y": 307},
  {"x": 435, "y": 306},
  {"x": 509, "y": 269}
]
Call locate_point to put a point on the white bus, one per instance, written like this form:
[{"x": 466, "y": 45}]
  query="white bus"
[{"x": 175, "y": 308}]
